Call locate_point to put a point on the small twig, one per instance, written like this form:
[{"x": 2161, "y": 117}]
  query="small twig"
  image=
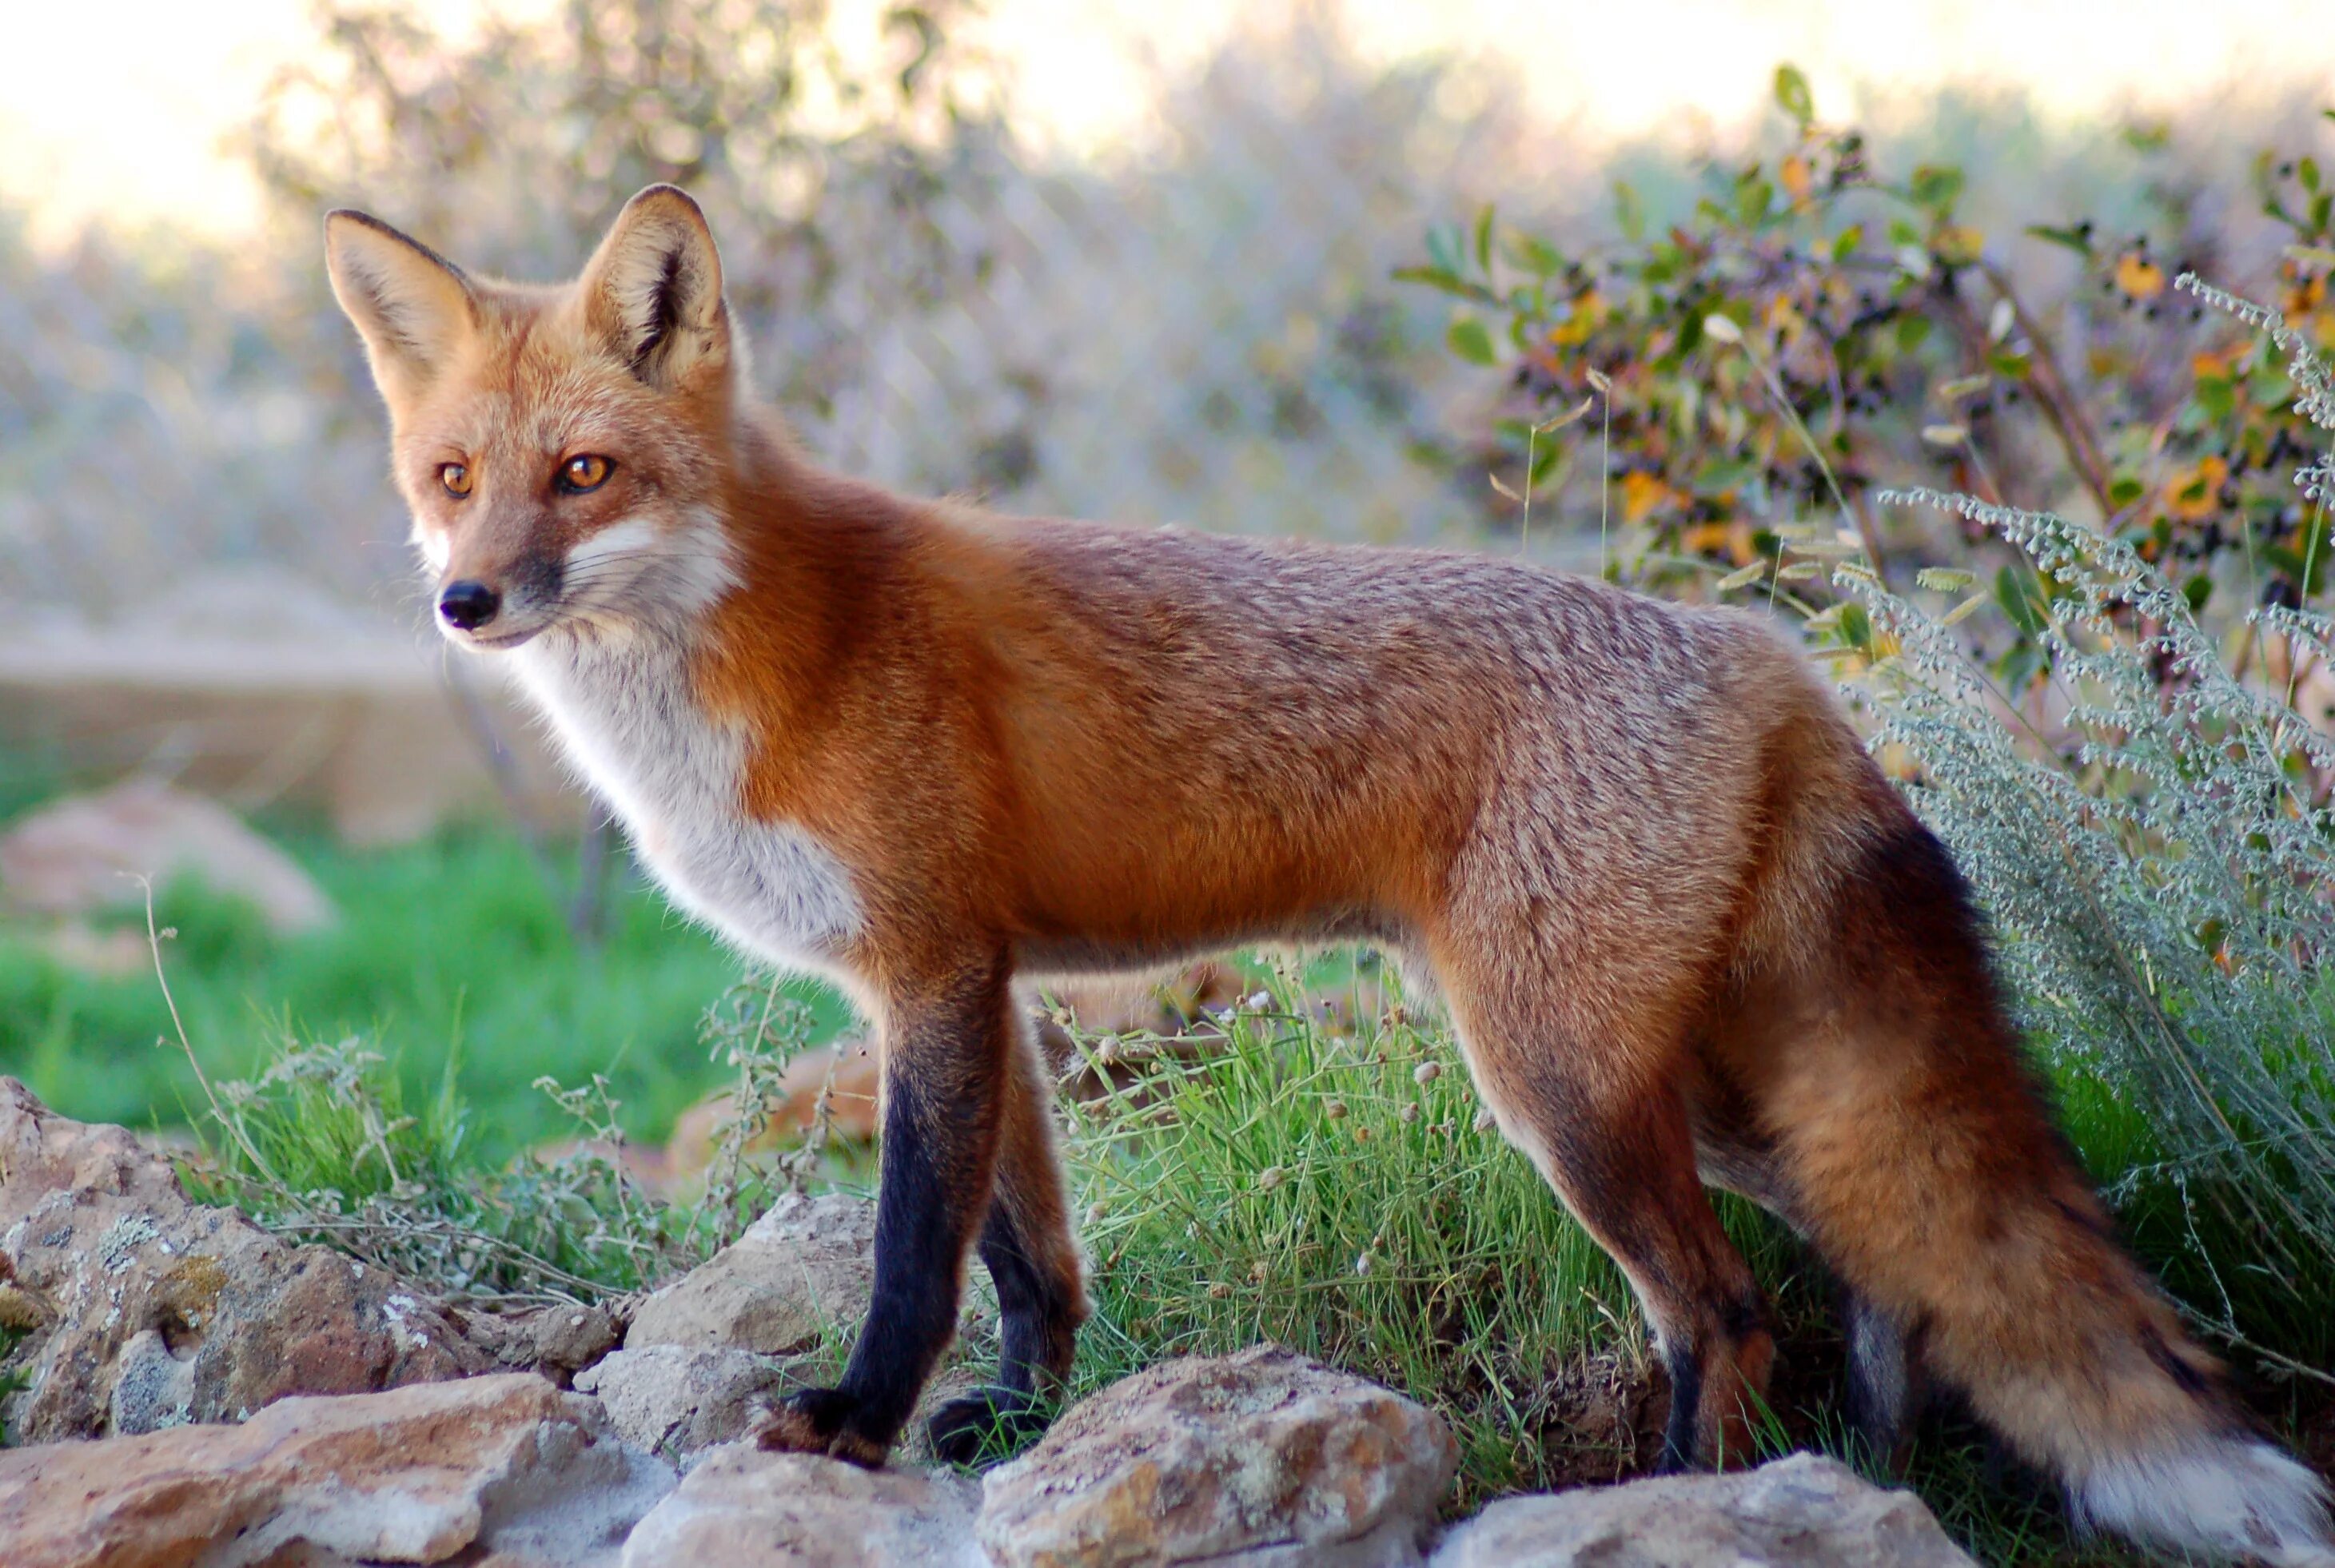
[
  {"x": 1858, "y": 524},
  {"x": 2059, "y": 406},
  {"x": 202, "y": 1080}
]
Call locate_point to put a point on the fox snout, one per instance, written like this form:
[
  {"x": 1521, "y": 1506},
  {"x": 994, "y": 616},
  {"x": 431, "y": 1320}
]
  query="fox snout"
[
  {"x": 468, "y": 604},
  {"x": 496, "y": 597}
]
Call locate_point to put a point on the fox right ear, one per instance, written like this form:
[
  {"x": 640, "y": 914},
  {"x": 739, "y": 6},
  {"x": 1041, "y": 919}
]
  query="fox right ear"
[{"x": 412, "y": 306}]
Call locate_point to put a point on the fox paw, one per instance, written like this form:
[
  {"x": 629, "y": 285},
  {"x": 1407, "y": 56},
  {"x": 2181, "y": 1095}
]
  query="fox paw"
[
  {"x": 820, "y": 1421},
  {"x": 985, "y": 1427}
]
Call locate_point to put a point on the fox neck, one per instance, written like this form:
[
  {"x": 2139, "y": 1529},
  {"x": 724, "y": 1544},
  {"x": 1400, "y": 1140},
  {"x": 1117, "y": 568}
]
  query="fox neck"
[{"x": 627, "y": 705}]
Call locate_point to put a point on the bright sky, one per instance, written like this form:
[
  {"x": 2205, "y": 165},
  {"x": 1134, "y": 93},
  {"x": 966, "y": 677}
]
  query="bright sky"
[{"x": 123, "y": 105}]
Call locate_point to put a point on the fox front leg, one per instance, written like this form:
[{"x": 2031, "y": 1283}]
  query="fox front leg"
[{"x": 946, "y": 1073}]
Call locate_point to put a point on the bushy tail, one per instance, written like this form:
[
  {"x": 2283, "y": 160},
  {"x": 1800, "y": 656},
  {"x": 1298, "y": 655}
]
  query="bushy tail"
[{"x": 1930, "y": 1175}]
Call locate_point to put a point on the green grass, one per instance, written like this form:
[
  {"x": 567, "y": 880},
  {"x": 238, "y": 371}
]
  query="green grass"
[{"x": 452, "y": 957}]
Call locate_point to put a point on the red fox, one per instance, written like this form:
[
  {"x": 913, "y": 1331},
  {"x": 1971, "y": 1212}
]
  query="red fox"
[{"x": 1685, "y": 929}]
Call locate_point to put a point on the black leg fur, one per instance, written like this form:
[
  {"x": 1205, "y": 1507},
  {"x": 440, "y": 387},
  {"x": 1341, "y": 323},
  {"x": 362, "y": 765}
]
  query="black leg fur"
[
  {"x": 1885, "y": 1391},
  {"x": 942, "y": 1082}
]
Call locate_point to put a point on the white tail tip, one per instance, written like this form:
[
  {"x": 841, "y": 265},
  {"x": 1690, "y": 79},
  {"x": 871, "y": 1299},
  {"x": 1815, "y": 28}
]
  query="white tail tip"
[{"x": 2218, "y": 1497}]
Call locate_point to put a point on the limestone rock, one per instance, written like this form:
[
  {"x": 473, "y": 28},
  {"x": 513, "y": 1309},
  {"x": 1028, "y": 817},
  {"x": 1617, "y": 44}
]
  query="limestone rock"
[
  {"x": 505, "y": 1466},
  {"x": 154, "y": 1311},
  {"x": 75, "y": 855},
  {"x": 1800, "y": 1512},
  {"x": 807, "y": 1265},
  {"x": 568, "y": 1340},
  {"x": 743, "y": 1508},
  {"x": 1263, "y": 1460},
  {"x": 674, "y": 1400}
]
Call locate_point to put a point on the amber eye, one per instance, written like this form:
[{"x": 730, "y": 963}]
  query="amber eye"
[
  {"x": 456, "y": 478},
  {"x": 582, "y": 473}
]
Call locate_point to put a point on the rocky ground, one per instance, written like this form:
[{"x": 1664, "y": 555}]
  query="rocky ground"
[{"x": 200, "y": 1392}]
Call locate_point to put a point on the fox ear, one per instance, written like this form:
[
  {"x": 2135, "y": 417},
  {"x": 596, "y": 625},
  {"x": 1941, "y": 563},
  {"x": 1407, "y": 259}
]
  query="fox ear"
[
  {"x": 412, "y": 306},
  {"x": 654, "y": 290}
]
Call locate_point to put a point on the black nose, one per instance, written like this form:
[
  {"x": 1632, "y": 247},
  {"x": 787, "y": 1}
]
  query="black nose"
[{"x": 469, "y": 605}]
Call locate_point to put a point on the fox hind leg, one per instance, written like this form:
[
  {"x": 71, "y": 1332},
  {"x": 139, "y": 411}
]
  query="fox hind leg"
[
  {"x": 1885, "y": 1389},
  {"x": 1599, "y": 1111}
]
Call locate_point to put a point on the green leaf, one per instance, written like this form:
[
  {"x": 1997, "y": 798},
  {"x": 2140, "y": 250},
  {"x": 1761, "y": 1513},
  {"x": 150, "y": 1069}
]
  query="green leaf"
[
  {"x": 1912, "y": 332},
  {"x": 2307, "y": 170},
  {"x": 2022, "y": 601},
  {"x": 2068, "y": 238},
  {"x": 1471, "y": 342},
  {"x": 1753, "y": 197},
  {"x": 2123, "y": 490},
  {"x": 1628, "y": 211},
  {"x": 1936, "y": 185},
  {"x": 1855, "y": 627},
  {"x": 1443, "y": 247},
  {"x": 1846, "y": 242},
  {"x": 2198, "y": 590},
  {"x": 1483, "y": 238},
  {"x": 1449, "y": 282},
  {"x": 1723, "y": 474},
  {"x": 1792, "y": 94},
  {"x": 2215, "y": 396},
  {"x": 1529, "y": 253}
]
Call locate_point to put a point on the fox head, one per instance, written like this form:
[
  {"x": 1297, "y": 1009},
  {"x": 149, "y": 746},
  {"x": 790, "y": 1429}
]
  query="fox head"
[{"x": 563, "y": 451}]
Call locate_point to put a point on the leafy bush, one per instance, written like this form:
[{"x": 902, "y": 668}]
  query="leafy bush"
[{"x": 1818, "y": 328}]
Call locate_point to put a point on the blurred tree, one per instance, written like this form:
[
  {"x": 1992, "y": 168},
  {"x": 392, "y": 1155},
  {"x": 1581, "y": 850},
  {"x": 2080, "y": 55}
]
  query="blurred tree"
[{"x": 817, "y": 154}]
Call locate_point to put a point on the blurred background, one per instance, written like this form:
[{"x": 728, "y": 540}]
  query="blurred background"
[{"x": 1105, "y": 259}]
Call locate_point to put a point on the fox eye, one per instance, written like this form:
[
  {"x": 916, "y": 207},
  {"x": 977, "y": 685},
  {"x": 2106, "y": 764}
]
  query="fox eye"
[
  {"x": 584, "y": 472},
  {"x": 456, "y": 478}
]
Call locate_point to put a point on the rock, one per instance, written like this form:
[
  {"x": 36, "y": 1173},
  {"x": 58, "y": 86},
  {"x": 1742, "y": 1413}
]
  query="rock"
[
  {"x": 743, "y": 1508},
  {"x": 77, "y": 855},
  {"x": 156, "y": 1311},
  {"x": 505, "y": 1467},
  {"x": 568, "y": 1340},
  {"x": 674, "y": 1400},
  {"x": 1261, "y": 1458},
  {"x": 805, "y": 1267},
  {"x": 1800, "y": 1512}
]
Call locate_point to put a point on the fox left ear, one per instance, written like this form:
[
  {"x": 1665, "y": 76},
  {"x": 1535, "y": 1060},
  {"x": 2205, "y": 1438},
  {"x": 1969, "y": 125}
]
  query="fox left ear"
[{"x": 654, "y": 289}]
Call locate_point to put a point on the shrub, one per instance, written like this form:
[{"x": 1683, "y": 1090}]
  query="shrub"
[
  {"x": 1819, "y": 328},
  {"x": 2158, "y": 866}
]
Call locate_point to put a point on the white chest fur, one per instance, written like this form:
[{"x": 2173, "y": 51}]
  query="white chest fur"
[{"x": 623, "y": 708}]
